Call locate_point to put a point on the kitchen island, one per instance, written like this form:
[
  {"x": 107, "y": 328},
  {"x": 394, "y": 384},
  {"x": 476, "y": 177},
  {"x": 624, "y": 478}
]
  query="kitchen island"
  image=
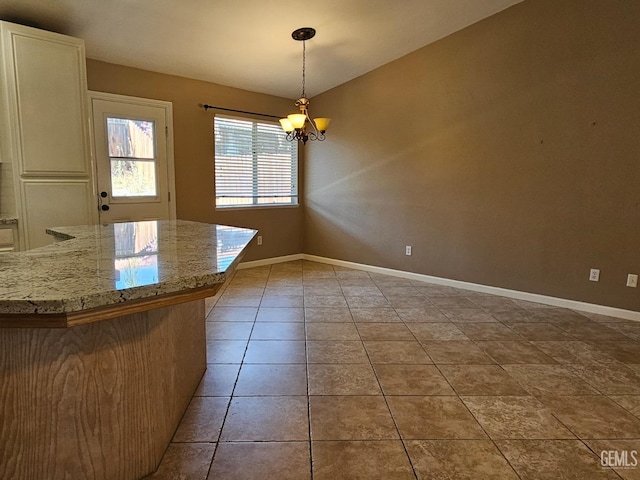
[{"x": 102, "y": 344}]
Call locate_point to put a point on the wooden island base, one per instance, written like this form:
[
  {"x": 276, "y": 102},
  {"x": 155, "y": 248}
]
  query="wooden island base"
[{"x": 101, "y": 400}]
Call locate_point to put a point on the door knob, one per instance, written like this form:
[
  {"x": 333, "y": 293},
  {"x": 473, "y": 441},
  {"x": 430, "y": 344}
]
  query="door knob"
[
  {"x": 103, "y": 194},
  {"x": 104, "y": 207}
]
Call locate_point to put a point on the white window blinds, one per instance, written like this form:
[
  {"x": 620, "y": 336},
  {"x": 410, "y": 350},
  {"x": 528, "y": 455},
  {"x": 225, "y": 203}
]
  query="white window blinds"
[{"x": 254, "y": 164}]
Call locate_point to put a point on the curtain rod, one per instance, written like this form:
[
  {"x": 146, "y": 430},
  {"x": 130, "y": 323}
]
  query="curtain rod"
[{"x": 207, "y": 107}]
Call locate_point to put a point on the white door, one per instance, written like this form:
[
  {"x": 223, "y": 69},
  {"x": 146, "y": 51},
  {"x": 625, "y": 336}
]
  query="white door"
[{"x": 134, "y": 158}]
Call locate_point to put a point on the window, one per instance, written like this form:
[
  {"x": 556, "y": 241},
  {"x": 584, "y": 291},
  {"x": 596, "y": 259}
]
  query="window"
[
  {"x": 254, "y": 164},
  {"x": 132, "y": 156}
]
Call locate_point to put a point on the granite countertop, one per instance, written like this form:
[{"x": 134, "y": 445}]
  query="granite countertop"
[
  {"x": 100, "y": 265},
  {"x": 8, "y": 221}
]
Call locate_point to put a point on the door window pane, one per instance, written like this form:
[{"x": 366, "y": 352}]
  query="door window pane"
[
  {"x": 133, "y": 178},
  {"x": 130, "y": 138},
  {"x": 132, "y": 156}
]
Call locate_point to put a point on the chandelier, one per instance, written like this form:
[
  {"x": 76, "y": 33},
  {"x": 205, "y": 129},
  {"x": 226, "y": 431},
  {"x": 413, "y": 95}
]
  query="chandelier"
[{"x": 300, "y": 126}]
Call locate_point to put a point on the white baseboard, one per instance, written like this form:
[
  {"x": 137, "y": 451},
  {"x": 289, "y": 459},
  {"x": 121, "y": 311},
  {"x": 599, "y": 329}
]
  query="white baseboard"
[
  {"x": 475, "y": 287},
  {"x": 270, "y": 261}
]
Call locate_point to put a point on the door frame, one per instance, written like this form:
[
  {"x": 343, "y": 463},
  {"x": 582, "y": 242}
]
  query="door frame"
[{"x": 145, "y": 102}]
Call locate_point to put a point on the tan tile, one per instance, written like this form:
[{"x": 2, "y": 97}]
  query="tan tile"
[
  {"x": 491, "y": 301},
  {"x": 455, "y": 301},
  {"x": 488, "y": 331},
  {"x": 275, "y": 351},
  {"x": 278, "y": 331},
  {"x": 573, "y": 352},
  {"x": 376, "y": 315},
  {"x": 282, "y": 282},
  {"x": 481, "y": 380},
  {"x": 276, "y": 289},
  {"x": 185, "y": 461},
  {"x": 367, "y": 302},
  {"x": 549, "y": 380},
  {"x": 202, "y": 420},
  {"x": 458, "y": 460},
  {"x": 609, "y": 378},
  {"x": 255, "y": 272},
  {"x": 295, "y": 301},
  {"x": 626, "y": 351},
  {"x": 400, "y": 291},
  {"x": 336, "y": 351},
  {"x": 357, "y": 291},
  {"x": 540, "y": 331},
  {"x": 344, "y": 272},
  {"x": 319, "y": 281},
  {"x": 332, "y": 331},
  {"x": 229, "y": 300},
  {"x": 433, "y": 417},
  {"x": 412, "y": 380},
  {"x": 232, "y": 314},
  {"x": 251, "y": 290},
  {"x": 290, "y": 379},
  {"x": 384, "y": 331},
  {"x": 431, "y": 290},
  {"x": 509, "y": 352},
  {"x": 593, "y": 416},
  {"x": 621, "y": 455},
  {"x": 515, "y": 417},
  {"x": 229, "y": 330},
  {"x": 592, "y": 331},
  {"x": 396, "y": 352},
  {"x": 436, "y": 331},
  {"x": 342, "y": 379},
  {"x": 327, "y": 314},
  {"x": 322, "y": 290},
  {"x": 628, "y": 402},
  {"x": 261, "y": 461},
  {"x": 266, "y": 419},
  {"x": 553, "y": 460},
  {"x": 420, "y": 315},
  {"x": 324, "y": 301},
  {"x": 351, "y": 418},
  {"x": 361, "y": 460},
  {"x": 218, "y": 380},
  {"x": 631, "y": 330},
  {"x": 403, "y": 301},
  {"x": 456, "y": 352},
  {"x": 280, "y": 314},
  {"x": 355, "y": 281},
  {"x": 225, "y": 351},
  {"x": 468, "y": 315},
  {"x": 513, "y": 315}
]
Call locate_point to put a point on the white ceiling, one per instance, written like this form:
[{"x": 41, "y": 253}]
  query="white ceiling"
[{"x": 247, "y": 43}]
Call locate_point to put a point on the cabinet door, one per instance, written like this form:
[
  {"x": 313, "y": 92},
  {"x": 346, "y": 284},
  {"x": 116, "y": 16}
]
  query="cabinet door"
[
  {"x": 53, "y": 204},
  {"x": 46, "y": 76}
]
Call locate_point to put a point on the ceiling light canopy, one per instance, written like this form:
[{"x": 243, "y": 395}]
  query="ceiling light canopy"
[{"x": 300, "y": 126}]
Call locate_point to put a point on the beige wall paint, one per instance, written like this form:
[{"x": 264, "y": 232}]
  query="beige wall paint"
[
  {"x": 281, "y": 228},
  {"x": 507, "y": 154}
]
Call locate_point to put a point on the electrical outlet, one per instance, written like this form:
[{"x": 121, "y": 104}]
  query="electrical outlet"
[
  {"x": 594, "y": 275},
  {"x": 632, "y": 280},
  {"x": 407, "y": 250},
  {"x": 259, "y": 239}
]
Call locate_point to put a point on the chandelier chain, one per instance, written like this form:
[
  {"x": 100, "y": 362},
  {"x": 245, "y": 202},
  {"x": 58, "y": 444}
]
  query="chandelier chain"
[{"x": 304, "y": 61}]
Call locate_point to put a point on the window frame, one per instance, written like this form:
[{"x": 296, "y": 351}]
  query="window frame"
[{"x": 295, "y": 197}]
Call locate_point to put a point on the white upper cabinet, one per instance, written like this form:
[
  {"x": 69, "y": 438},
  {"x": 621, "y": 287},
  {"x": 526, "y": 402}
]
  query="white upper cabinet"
[{"x": 44, "y": 129}]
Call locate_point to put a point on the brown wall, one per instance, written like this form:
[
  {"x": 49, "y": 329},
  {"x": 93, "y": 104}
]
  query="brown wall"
[
  {"x": 507, "y": 154},
  {"x": 281, "y": 228}
]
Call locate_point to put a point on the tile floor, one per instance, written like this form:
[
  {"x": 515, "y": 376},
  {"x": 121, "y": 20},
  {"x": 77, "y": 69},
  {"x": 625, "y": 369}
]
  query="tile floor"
[{"x": 319, "y": 372}]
